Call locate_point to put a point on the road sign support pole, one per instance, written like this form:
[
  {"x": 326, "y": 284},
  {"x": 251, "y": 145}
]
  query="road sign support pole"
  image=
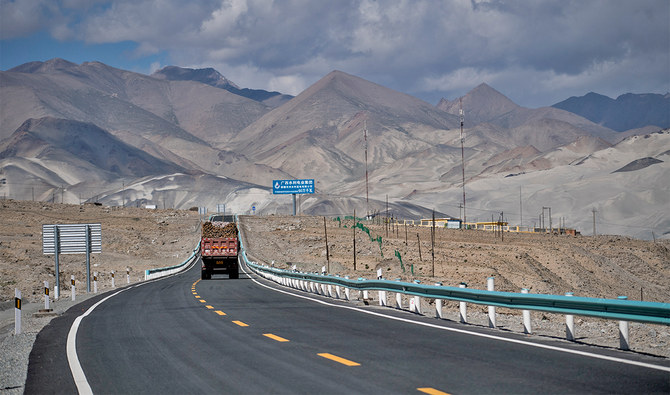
[
  {"x": 294, "y": 205},
  {"x": 88, "y": 258},
  {"x": 56, "y": 243}
]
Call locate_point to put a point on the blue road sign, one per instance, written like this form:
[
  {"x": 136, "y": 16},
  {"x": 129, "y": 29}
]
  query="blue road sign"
[{"x": 287, "y": 187}]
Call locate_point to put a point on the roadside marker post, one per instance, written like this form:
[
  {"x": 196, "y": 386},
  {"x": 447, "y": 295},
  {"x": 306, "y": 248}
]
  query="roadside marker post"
[
  {"x": 569, "y": 323},
  {"x": 623, "y": 331},
  {"x": 347, "y": 291},
  {"x": 95, "y": 282},
  {"x": 17, "y": 311},
  {"x": 127, "y": 275},
  {"x": 46, "y": 295},
  {"x": 438, "y": 304},
  {"x": 490, "y": 285},
  {"x": 74, "y": 289},
  {"x": 113, "y": 279},
  {"x": 527, "y": 326},
  {"x": 463, "y": 307}
]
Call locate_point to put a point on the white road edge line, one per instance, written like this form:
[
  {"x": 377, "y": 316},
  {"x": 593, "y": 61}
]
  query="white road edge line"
[
  {"x": 83, "y": 387},
  {"x": 463, "y": 331}
]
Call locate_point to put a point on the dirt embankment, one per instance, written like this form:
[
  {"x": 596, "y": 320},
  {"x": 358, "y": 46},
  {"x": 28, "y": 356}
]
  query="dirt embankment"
[
  {"x": 133, "y": 238},
  {"x": 604, "y": 266}
]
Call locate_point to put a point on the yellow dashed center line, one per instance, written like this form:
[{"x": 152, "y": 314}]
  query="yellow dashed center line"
[
  {"x": 432, "y": 391},
  {"x": 275, "y": 337},
  {"x": 338, "y": 359},
  {"x": 197, "y": 297},
  {"x": 203, "y": 301},
  {"x": 240, "y": 323},
  {"x": 210, "y": 307},
  {"x": 219, "y": 312}
]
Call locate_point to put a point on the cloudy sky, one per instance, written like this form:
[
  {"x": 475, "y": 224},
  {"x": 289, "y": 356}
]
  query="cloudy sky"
[{"x": 535, "y": 52}]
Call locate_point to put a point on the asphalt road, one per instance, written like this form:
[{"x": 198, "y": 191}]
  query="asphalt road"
[{"x": 183, "y": 335}]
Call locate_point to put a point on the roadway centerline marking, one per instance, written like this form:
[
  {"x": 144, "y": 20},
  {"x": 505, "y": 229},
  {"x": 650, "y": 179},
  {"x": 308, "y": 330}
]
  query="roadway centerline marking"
[
  {"x": 275, "y": 337},
  {"x": 240, "y": 323},
  {"x": 197, "y": 297},
  {"x": 338, "y": 359},
  {"x": 219, "y": 312},
  {"x": 432, "y": 391},
  {"x": 203, "y": 301},
  {"x": 210, "y": 307}
]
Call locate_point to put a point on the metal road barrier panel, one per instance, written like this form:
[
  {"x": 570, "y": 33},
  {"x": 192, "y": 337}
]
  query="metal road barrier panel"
[
  {"x": 614, "y": 309},
  {"x": 150, "y": 274}
]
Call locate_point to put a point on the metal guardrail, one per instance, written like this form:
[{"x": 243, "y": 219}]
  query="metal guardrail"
[
  {"x": 614, "y": 309},
  {"x": 150, "y": 274}
]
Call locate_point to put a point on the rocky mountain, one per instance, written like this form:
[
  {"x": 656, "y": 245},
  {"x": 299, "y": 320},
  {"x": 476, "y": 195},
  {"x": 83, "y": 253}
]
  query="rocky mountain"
[
  {"x": 179, "y": 138},
  {"x": 628, "y": 111},
  {"x": 212, "y": 77}
]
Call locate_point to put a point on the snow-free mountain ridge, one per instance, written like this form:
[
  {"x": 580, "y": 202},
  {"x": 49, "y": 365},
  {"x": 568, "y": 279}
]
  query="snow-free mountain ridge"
[{"x": 180, "y": 138}]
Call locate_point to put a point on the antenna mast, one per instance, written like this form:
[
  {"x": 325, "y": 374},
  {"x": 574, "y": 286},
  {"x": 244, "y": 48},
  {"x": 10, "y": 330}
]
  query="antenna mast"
[
  {"x": 460, "y": 113},
  {"x": 367, "y": 202}
]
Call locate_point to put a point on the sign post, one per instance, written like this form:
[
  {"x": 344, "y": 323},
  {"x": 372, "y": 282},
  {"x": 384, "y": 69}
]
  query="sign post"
[
  {"x": 293, "y": 187},
  {"x": 71, "y": 239}
]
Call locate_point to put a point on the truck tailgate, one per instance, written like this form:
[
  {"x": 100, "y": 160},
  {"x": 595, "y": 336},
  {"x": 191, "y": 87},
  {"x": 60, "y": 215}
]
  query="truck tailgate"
[{"x": 219, "y": 246}]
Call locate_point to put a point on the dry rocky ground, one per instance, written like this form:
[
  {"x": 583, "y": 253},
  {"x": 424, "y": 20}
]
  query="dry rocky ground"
[
  {"x": 602, "y": 267},
  {"x": 133, "y": 238}
]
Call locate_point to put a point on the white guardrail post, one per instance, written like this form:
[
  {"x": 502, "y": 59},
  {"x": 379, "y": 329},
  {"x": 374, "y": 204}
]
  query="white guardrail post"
[
  {"x": 490, "y": 286},
  {"x": 527, "y": 328},
  {"x": 438, "y": 304},
  {"x": 398, "y": 298},
  {"x": 463, "y": 307},
  {"x": 569, "y": 323},
  {"x": 623, "y": 331},
  {"x": 347, "y": 290}
]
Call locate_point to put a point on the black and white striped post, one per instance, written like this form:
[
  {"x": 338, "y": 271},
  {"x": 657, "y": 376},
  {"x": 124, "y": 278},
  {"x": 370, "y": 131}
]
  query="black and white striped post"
[
  {"x": 17, "y": 311},
  {"x": 438, "y": 304},
  {"x": 113, "y": 279},
  {"x": 623, "y": 331},
  {"x": 74, "y": 289},
  {"x": 127, "y": 275},
  {"x": 95, "y": 282},
  {"x": 527, "y": 327},
  {"x": 569, "y": 323},
  {"x": 46, "y": 296},
  {"x": 490, "y": 286}
]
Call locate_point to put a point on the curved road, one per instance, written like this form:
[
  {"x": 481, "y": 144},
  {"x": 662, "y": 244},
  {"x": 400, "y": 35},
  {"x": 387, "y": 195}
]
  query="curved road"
[{"x": 183, "y": 335}]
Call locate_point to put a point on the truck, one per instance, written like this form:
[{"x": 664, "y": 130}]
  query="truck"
[{"x": 219, "y": 246}]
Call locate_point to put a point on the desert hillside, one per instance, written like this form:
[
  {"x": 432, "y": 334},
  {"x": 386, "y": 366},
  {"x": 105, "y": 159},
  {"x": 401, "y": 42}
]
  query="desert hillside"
[{"x": 603, "y": 267}]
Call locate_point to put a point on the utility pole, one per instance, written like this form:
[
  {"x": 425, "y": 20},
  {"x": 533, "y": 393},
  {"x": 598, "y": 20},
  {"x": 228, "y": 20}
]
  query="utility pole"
[
  {"x": 594, "y": 222},
  {"x": 520, "y": 208},
  {"x": 367, "y": 201},
  {"x": 460, "y": 113}
]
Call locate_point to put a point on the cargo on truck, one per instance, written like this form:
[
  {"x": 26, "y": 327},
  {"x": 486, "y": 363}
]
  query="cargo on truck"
[{"x": 219, "y": 246}]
